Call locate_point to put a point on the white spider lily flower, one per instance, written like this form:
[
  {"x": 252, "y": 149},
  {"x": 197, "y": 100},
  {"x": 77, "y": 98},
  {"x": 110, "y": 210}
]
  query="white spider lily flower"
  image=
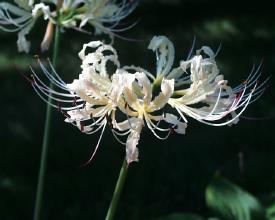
[
  {"x": 95, "y": 99},
  {"x": 103, "y": 15},
  {"x": 208, "y": 97},
  {"x": 140, "y": 103},
  {"x": 21, "y": 19},
  {"x": 199, "y": 91},
  {"x": 202, "y": 93},
  {"x": 91, "y": 101}
]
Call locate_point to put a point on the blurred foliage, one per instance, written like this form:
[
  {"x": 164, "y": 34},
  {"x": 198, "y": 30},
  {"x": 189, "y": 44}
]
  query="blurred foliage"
[
  {"x": 172, "y": 176},
  {"x": 178, "y": 216},
  {"x": 229, "y": 201},
  {"x": 271, "y": 212}
]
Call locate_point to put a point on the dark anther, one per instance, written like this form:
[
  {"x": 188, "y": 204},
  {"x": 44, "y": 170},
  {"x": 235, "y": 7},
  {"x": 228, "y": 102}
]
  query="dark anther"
[
  {"x": 239, "y": 94},
  {"x": 84, "y": 105},
  {"x": 74, "y": 103},
  {"x": 59, "y": 107},
  {"x": 91, "y": 115},
  {"x": 110, "y": 124},
  {"x": 172, "y": 130},
  {"x": 81, "y": 126},
  {"x": 109, "y": 121},
  {"x": 126, "y": 105}
]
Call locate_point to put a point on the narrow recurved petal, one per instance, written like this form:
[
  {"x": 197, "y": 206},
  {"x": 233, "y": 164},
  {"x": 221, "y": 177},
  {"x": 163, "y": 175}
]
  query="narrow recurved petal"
[
  {"x": 167, "y": 89},
  {"x": 165, "y": 52}
]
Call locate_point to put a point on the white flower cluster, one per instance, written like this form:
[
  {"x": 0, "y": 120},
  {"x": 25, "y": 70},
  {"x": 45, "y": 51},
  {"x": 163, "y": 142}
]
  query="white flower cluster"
[
  {"x": 102, "y": 96},
  {"x": 103, "y": 15}
]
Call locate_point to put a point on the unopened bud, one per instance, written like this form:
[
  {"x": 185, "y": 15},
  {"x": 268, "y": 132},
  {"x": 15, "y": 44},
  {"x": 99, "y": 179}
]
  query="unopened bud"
[
  {"x": 59, "y": 4},
  {"x": 45, "y": 45}
]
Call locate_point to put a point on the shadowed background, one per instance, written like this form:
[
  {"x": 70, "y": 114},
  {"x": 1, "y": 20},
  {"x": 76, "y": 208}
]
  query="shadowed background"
[{"x": 171, "y": 175}]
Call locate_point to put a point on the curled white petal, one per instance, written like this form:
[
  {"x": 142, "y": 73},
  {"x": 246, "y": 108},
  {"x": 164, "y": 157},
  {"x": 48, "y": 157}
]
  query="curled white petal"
[
  {"x": 119, "y": 81},
  {"x": 41, "y": 8},
  {"x": 165, "y": 51},
  {"x": 144, "y": 82},
  {"x": 132, "y": 142},
  {"x": 179, "y": 126},
  {"x": 167, "y": 89}
]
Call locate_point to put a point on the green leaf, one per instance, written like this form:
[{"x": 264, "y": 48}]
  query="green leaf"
[
  {"x": 271, "y": 212},
  {"x": 181, "y": 216},
  {"x": 230, "y": 202},
  {"x": 270, "y": 205}
]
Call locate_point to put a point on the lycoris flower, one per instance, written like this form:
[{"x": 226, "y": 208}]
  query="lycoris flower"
[
  {"x": 100, "y": 94},
  {"x": 21, "y": 19},
  {"x": 103, "y": 15},
  {"x": 207, "y": 88}
]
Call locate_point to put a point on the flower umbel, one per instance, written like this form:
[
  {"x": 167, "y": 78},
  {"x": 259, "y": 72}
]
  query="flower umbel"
[
  {"x": 103, "y": 15},
  {"x": 193, "y": 89},
  {"x": 21, "y": 19}
]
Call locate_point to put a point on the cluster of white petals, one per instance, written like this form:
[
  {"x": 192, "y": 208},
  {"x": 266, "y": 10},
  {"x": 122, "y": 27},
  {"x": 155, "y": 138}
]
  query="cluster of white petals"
[
  {"x": 102, "y": 95},
  {"x": 21, "y": 19},
  {"x": 103, "y": 15}
]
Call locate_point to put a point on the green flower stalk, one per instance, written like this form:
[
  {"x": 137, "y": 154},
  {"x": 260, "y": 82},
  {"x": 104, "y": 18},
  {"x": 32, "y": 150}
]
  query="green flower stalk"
[
  {"x": 117, "y": 192},
  {"x": 46, "y": 135}
]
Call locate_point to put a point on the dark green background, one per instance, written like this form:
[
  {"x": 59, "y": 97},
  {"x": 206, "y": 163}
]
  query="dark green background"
[{"x": 171, "y": 175}]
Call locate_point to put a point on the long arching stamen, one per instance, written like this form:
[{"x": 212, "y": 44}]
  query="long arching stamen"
[
  {"x": 153, "y": 131},
  {"x": 96, "y": 148}
]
